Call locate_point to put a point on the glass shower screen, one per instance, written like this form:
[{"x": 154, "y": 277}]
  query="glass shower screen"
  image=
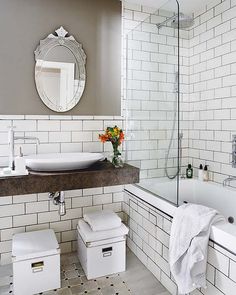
[{"x": 152, "y": 100}]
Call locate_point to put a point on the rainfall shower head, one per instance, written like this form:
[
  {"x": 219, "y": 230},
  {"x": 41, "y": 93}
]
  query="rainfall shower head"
[{"x": 183, "y": 21}]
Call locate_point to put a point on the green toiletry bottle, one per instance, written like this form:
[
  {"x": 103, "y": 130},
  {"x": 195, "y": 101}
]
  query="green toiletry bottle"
[{"x": 189, "y": 171}]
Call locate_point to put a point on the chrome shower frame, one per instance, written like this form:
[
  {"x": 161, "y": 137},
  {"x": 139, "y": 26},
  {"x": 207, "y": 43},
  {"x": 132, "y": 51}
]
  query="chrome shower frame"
[
  {"x": 177, "y": 111},
  {"x": 179, "y": 161}
]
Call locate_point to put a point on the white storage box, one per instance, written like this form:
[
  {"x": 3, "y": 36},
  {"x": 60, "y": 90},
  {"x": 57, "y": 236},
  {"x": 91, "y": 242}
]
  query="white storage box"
[
  {"x": 36, "y": 262},
  {"x": 101, "y": 253}
]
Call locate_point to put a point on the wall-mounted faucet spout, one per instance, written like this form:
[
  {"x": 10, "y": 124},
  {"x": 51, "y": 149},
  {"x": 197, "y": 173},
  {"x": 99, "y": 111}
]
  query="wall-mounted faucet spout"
[{"x": 227, "y": 181}]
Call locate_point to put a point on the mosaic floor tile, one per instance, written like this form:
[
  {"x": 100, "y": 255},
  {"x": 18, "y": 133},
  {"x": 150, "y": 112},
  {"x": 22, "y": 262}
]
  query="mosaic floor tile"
[
  {"x": 74, "y": 281},
  {"x": 137, "y": 280}
]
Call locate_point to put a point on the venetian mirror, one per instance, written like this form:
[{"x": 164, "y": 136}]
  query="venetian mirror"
[{"x": 60, "y": 73}]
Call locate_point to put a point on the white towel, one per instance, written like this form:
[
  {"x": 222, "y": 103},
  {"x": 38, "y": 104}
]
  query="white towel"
[
  {"x": 189, "y": 238},
  {"x": 90, "y": 236},
  {"x": 102, "y": 220}
]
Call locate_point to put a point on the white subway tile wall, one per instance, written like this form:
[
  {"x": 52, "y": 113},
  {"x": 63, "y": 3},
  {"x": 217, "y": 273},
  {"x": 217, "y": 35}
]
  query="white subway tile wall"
[
  {"x": 149, "y": 240},
  {"x": 208, "y": 91},
  {"x": 212, "y": 100},
  {"x": 33, "y": 212},
  {"x": 57, "y": 134}
]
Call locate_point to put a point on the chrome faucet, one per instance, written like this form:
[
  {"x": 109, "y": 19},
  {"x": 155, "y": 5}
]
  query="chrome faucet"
[
  {"x": 228, "y": 180},
  {"x": 11, "y": 143},
  {"x": 58, "y": 198}
]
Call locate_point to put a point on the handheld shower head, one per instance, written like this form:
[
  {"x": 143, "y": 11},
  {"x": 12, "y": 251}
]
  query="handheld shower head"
[{"x": 176, "y": 85}]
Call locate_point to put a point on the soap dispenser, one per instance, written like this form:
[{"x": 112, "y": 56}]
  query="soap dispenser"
[
  {"x": 206, "y": 173},
  {"x": 200, "y": 172},
  {"x": 20, "y": 166},
  {"x": 189, "y": 171}
]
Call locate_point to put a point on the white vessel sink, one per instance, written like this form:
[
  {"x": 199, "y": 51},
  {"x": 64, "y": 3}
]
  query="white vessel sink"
[{"x": 62, "y": 161}]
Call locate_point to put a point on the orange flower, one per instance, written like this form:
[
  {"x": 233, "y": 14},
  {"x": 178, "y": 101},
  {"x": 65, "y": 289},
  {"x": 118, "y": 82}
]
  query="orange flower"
[
  {"x": 121, "y": 137},
  {"x": 103, "y": 137},
  {"x": 113, "y": 134}
]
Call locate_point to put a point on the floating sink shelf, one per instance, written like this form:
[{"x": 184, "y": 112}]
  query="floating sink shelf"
[{"x": 99, "y": 175}]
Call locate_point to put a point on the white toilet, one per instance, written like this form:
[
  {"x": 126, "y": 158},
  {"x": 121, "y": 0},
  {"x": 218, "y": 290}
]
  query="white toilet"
[
  {"x": 36, "y": 262},
  {"x": 101, "y": 252}
]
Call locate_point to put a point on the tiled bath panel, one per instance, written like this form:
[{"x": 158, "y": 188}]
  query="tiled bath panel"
[
  {"x": 136, "y": 280},
  {"x": 149, "y": 240}
]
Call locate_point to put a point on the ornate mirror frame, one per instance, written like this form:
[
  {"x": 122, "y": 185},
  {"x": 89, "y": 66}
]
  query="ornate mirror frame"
[{"x": 47, "y": 44}]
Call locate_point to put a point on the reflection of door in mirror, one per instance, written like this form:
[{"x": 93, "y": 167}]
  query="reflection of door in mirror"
[{"x": 58, "y": 81}]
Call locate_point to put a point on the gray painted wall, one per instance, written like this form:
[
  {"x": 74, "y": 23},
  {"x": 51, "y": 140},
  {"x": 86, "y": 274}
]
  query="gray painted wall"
[{"x": 96, "y": 24}]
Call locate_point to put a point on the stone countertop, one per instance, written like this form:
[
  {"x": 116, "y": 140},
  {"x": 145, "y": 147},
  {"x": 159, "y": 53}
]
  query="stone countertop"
[{"x": 99, "y": 175}]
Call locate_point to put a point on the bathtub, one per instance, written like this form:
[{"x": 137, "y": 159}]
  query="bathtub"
[{"x": 209, "y": 194}]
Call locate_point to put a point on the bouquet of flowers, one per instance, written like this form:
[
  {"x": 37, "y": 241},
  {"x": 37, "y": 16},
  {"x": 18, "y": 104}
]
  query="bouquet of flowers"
[{"x": 116, "y": 136}]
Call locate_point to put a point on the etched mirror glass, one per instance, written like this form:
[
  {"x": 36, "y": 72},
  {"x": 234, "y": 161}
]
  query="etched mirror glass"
[{"x": 60, "y": 73}]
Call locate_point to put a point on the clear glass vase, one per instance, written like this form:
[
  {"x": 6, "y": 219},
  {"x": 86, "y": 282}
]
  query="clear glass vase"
[{"x": 117, "y": 160}]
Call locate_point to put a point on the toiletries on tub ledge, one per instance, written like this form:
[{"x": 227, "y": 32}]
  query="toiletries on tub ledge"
[
  {"x": 205, "y": 173},
  {"x": 189, "y": 171},
  {"x": 200, "y": 172}
]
